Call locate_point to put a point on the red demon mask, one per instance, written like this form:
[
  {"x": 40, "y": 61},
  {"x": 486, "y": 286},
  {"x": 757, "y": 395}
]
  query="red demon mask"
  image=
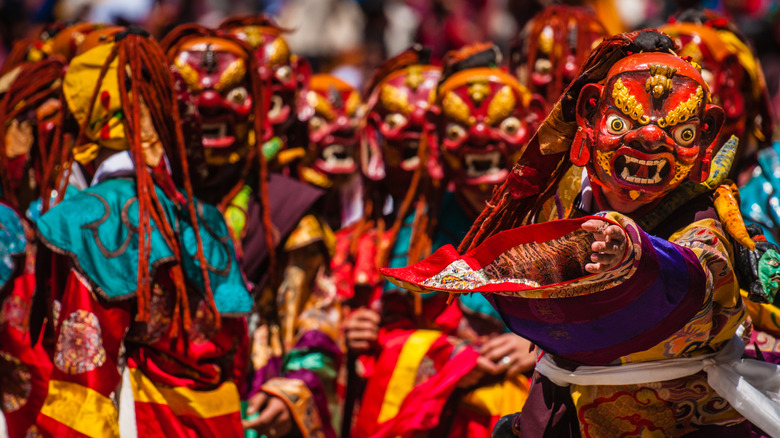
[
  {"x": 553, "y": 46},
  {"x": 395, "y": 118},
  {"x": 645, "y": 130},
  {"x": 732, "y": 72},
  {"x": 333, "y": 134},
  {"x": 485, "y": 117},
  {"x": 215, "y": 71},
  {"x": 285, "y": 75}
]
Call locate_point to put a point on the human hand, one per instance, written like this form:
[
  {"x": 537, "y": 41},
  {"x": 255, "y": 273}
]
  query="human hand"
[
  {"x": 274, "y": 418},
  {"x": 514, "y": 354},
  {"x": 483, "y": 367},
  {"x": 361, "y": 329},
  {"x": 609, "y": 246}
]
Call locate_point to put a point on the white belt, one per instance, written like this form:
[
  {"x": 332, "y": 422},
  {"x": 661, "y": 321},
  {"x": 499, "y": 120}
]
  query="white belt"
[{"x": 750, "y": 386}]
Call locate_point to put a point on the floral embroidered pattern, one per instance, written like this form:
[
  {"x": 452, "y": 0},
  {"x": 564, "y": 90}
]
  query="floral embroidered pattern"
[
  {"x": 670, "y": 408},
  {"x": 15, "y": 313},
  {"x": 80, "y": 344}
]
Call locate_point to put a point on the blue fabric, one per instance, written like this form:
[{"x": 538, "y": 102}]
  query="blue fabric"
[
  {"x": 12, "y": 241},
  {"x": 760, "y": 201},
  {"x": 33, "y": 212},
  {"x": 97, "y": 227}
]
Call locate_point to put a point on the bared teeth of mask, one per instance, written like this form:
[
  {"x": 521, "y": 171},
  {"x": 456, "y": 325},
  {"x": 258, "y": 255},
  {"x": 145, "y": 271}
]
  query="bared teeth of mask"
[
  {"x": 482, "y": 164},
  {"x": 625, "y": 175},
  {"x": 276, "y": 106},
  {"x": 414, "y": 161},
  {"x": 214, "y": 130}
]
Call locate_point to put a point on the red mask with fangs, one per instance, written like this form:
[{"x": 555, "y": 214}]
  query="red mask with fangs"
[{"x": 646, "y": 130}]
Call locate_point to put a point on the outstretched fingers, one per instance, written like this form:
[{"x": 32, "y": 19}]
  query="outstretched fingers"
[{"x": 609, "y": 245}]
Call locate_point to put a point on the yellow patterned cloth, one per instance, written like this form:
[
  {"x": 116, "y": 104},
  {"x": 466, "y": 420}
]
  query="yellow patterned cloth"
[{"x": 680, "y": 406}]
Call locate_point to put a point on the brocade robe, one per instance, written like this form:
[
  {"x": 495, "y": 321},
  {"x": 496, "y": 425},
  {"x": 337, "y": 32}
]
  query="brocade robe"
[
  {"x": 25, "y": 381},
  {"x": 114, "y": 373},
  {"x": 673, "y": 295},
  {"x": 295, "y": 353}
]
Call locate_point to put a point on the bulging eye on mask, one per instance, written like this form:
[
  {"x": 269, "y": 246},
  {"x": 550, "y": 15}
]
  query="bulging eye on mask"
[{"x": 651, "y": 128}]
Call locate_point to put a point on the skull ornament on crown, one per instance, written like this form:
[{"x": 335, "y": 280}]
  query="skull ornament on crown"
[
  {"x": 483, "y": 118},
  {"x": 729, "y": 67},
  {"x": 284, "y": 74},
  {"x": 332, "y": 154},
  {"x": 398, "y": 99},
  {"x": 648, "y": 128},
  {"x": 553, "y": 46}
]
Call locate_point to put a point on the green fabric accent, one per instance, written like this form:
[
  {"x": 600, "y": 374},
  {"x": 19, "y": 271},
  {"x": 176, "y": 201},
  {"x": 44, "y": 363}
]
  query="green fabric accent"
[
  {"x": 249, "y": 433},
  {"x": 769, "y": 274},
  {"x": 236, "y": 212},
  {"x": 98, "y": 226},
  {"x": 317, "y": 362},
  {"x": 272, "y": 147}
]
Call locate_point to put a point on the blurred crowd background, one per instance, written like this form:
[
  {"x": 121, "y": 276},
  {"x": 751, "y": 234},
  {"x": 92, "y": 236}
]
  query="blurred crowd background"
[{"x": 351, "y": 37}]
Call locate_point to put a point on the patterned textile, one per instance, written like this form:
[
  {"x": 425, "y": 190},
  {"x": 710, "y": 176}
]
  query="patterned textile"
[
  {"x": 299, "y": 399},
  {"x": 297, "y": 358},
  {"x": 180, "y": 388},
  {"x": 163, "y": 411},
  {"x": 25, "y": 385},
  {"x": 765, "y": 317},
  {"x": 295, "y": 342},
  {"x": 411, "y": 385},
  {"x": 184, "y": 384},
  {"x": 451, "y": 229},
  {"x": 577, "y": 327},
  {"x": 97, "y": 228},
  {"x": 416, "y": 373},
  {"x": 596, "y": 321}
]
